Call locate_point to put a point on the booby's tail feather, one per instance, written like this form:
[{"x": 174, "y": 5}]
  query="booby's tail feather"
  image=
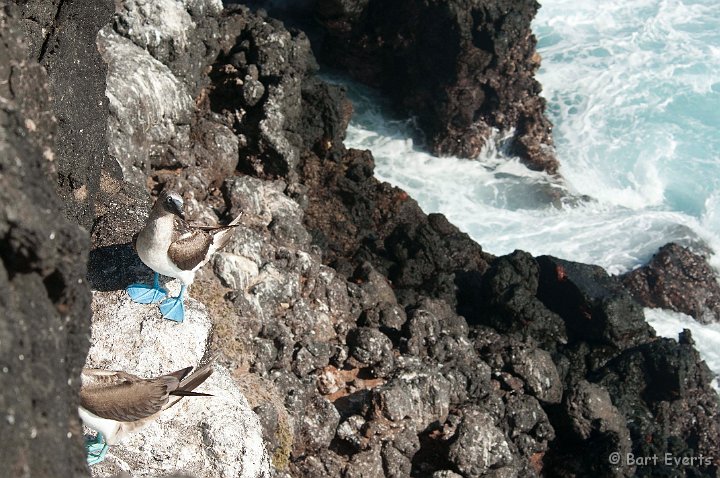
[
  {"x": 236, "y": 221},
  {"x": 195, "y": 379},
  {"x": 187, "y": 393},
  {"x": 191, "y": 382},
  {"x": 181, "y": 374}
]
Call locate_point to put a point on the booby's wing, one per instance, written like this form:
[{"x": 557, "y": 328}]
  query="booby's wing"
[
  {"x": 193, "y": 245},
  {"x": 124, "y": 397},
  {"x": 189, "y": 246}
]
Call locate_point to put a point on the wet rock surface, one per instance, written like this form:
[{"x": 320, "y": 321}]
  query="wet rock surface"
[
  {"x": 678, "y": 279},
  {"x": 369, "y": 338},
  {"x": 461, "y": 67}
]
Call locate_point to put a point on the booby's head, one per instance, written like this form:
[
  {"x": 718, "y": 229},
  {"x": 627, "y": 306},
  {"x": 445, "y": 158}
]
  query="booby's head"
[{"x": 170, "y": 203}]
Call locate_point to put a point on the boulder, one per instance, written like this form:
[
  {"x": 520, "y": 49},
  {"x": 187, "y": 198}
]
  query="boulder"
[
  {"x": 595, "y": 306},
  {"x": 62, "y": 38},
  {"x": 480, "y": 447},
  {"x": 677, "y": 278}
]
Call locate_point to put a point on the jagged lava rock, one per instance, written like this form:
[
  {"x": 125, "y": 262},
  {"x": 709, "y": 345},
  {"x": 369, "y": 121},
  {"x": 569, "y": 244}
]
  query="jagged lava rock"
[
  {"x": 479, "y": 447},
  {"x": 592, "y": 427},
  {"x": 371, "y": 348},
  {"x": 217, "y": 436},
  {"x": 595, "y": 306},
  {"x": 461, "y": 67},
  {"x": 256, "y": 89},
  {"x": 676, "y": 278},
  {"x": 663, "y": 390},
  {"x": 355, "y": 218},
  {"x": 506, "y": 298},
  {"x": 421, "y": 397}
]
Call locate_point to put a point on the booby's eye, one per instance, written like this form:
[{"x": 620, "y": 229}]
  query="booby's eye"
[{"x": 169, "y": 200}]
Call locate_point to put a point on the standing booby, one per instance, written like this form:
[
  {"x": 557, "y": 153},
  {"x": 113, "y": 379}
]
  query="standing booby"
[
  {"x": 170, "y": 246},
  {"x": 116, "y": 403}
]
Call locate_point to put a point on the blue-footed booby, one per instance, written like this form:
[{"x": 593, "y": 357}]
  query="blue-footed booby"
[
  {"x": 170, "y": 246},
  {"x": 116, "y": 403}
]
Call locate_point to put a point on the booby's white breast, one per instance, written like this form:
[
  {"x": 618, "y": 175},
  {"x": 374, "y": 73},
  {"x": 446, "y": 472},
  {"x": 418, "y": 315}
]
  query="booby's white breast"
[
  {"x": 152, "y": 247},
  {"x": 108, "y": 428}
]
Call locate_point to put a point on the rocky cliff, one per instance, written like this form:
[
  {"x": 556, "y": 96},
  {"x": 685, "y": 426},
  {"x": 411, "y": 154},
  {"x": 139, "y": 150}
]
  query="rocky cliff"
[
  {"x": 44, "y": 298},
  {"x": 369, "y": 338},
  {"x": 463, "y": 68}
]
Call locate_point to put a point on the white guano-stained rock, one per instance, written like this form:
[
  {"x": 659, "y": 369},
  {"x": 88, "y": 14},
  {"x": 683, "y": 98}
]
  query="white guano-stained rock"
[
  {"x": 205, "y": 437},
  {"x": 147, "y": 103}
]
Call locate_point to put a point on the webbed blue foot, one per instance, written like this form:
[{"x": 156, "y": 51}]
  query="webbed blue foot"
[
  {"x": 145, "y": 294},
  {"x": 173, "y": 308},
  {"x": 95, "y": 449}
]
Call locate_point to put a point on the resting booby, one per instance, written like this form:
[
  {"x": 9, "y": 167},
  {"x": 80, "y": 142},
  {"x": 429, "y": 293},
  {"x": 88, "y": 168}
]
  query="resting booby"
[
  {"x": 170, "y": 246},
  {"x": 116, "y": 403}
]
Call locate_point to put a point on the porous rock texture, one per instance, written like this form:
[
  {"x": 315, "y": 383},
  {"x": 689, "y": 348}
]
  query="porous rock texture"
[
  {"x": 44, "y": 299},
  {"x": 369, "y": 338},
  {"x": 678, "y": 279},
  {"x": 60, "y": 36}
]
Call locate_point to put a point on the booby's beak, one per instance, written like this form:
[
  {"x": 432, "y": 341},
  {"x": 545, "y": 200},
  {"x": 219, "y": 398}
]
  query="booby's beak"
[{"x": 177, "y": 208}]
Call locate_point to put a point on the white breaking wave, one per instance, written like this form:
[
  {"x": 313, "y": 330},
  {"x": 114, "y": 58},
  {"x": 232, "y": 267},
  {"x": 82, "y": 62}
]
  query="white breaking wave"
[
  {"x": 634, "y": 96},
  {"x": 505, "y": 206},
  {"x": 706, "y": 337}
]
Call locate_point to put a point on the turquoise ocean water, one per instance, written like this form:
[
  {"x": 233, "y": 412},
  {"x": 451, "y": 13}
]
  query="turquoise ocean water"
[{"x": 633, "y": 89}]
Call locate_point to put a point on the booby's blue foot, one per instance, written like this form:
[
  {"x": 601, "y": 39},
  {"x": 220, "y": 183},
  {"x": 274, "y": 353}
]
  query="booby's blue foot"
[
  {"x": 172, "y": 308},
  {"x": 95, "y": 449},
  {"x": 145, "y": 294}
]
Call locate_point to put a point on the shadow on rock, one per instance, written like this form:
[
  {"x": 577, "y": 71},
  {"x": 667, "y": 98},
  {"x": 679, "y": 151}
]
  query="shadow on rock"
[{"x": 114, "y": 267}]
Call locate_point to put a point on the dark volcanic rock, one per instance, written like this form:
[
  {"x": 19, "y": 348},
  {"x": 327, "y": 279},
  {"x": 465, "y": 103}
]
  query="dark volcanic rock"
[
  {"x": 662, "y": 389},
  {"x": 592, "y": 427},
  {"x": 367, "y": 464},
  {"x": 318, "y": 426},
  {"x": 372, "y": 349},
  {"x": 380, "y": 307},
  {"x": 355, "y": 218},
  {"x": 121, "y": 209},
  {"x": 506, "y": 298},
  {"x": 536, "y": 368},
  {"x": 677, "y": 279},
  {"x": 557, "y": 325},
  {"x": 419, "y": 396},
  {"x": 45, "y": 303},
  {"x": 591, "y": 410},
  {"x": 595, "y": 307},
  {"x": 462, "y": 67},
  {"x": 257, "y": 88},
  {"x": 62, "y": 38},
  {"x": 479, "y": 446}
]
